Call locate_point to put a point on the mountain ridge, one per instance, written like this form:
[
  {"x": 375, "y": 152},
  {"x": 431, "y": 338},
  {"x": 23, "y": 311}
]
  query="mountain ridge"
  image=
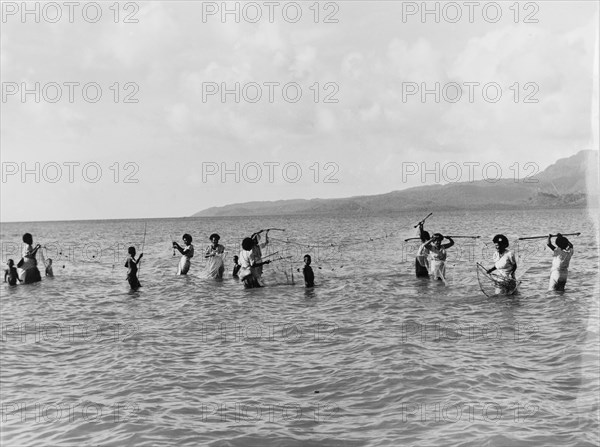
[{"x": 569, "y": 182}]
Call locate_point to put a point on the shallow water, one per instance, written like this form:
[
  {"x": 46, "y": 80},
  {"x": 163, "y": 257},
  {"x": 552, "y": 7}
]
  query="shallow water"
[{"x": 371, "y": 356}]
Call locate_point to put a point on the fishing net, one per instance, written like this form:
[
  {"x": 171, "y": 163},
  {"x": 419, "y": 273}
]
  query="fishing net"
[
  {"x": 215, "y": 266},
  {"x": 492, "y": 284}
]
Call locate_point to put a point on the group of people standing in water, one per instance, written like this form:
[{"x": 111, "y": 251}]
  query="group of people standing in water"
[
  {"x": 248, "y": 266},
  {"x": 431, "y": 260},
  {"x": 26, "y": 271}
]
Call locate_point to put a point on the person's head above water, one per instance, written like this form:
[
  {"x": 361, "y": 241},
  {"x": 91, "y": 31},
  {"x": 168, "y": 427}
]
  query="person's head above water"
[
  {"x": 500, "y": 241},
  {"x": 247, "y": 244},
  {"x": 214, "y": 238},
  {"x": 187, "y": 238},
  {"x": 10, "y": 262},
  {"x": 562, "y": 242},
  {"x": 437, "y": 238},
  {"x": 131, "y": 251},
  {"x": 28, "y": 238},
  {"x": 307, "y": 259}
]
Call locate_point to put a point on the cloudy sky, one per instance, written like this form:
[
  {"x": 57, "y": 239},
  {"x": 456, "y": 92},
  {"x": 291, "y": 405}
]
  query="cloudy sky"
[{"x": 178, "y": 107}]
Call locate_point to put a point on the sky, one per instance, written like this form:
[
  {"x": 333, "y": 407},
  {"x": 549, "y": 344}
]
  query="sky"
[{"x": 163, "y": 109}]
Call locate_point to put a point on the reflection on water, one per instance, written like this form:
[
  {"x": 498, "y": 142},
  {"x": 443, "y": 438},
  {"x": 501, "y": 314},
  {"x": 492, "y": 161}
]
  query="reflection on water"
[{"x": 370, "y": 356}]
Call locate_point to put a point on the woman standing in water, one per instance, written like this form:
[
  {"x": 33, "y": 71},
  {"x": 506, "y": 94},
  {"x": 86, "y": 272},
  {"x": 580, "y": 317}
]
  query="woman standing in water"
[
  {"x": 250, "y": 264},
  {"x": 422, "y": 258},
  {"x": 505, "y": 263},
  {"x": 28, "y": 265},
  {"x": 187, "y": 253},
  {"x": 437, "y": 255},
  {"x": 214, "y": 256}
]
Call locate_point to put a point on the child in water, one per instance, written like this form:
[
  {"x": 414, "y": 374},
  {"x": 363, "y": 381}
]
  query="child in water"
[
  {"x": 560, "y": 262},
  {"x": 11, "y": 273},
  {"x": 49, "y": 271},
  {"x": 307, "y": 271},
  {"x": 236, "y": 266},
  {"x": 132, "y": 268}
]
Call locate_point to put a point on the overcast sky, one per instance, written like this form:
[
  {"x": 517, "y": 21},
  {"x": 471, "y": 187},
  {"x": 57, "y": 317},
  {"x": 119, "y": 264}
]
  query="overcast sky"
[{"x": 360, "y": 126}]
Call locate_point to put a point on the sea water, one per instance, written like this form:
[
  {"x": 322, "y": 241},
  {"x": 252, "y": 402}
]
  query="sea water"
[{"x": 371, "y": 356}]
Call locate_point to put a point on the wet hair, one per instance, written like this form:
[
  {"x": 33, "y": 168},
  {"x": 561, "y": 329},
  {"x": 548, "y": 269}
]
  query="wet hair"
[
  {"x": 28, "y": 238},
  {"x": 438, "y": 236},
  {"x": 187, "y": 236},
  {"x": 309, "y": 259},
  {"x": 562, "y": 242},
  {"x": 425, "y": 236},
  {"x": 10, "y": 262},
  {"x": 501, "y": 240},
  {"x": 213, "y": 236},
  {"x": 131, "y": 251},
  {"x": 247, "y": 244}
]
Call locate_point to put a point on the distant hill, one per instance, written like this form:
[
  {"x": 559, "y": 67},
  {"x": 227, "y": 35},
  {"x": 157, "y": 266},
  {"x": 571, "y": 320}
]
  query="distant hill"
[{"x": 570, "y": 182}]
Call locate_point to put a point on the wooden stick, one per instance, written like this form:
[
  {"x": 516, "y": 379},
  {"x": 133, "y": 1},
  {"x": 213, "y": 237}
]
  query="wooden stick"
[
  {"x": 544, "y": 237},
  {"x": 423, "y": 221},
  {"x": 464, "y": 237},
  {"x": 142, "y": 250},
  {"x": 412, "y": 239}
]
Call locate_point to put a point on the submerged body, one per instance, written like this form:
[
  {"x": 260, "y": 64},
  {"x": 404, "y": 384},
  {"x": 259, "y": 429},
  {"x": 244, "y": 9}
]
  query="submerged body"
[
  {"x": 506, "y": 265},
  {"x": 422, "y": 258},
  {"x": 437, "y": 262},
  {"x": 29, "y": 271},
  {"x": 215, "y": 265},
  {"x": 437, "y": 255},
  {"x": 187, "y": 253},
  {"x": 422, "y": 262},
  {"x": 10, "y": 274},
  {"x": 132, "y": 268},
  {"x": 561, "y": 258},
  {"x": 248, "y": 272},
  {"x": 186, "y": 260}
]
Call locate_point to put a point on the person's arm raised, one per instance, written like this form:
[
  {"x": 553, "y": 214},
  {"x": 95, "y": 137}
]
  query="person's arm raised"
[
  {"x": 449, "y": 244},
  {"x": 549, "y": 243}
]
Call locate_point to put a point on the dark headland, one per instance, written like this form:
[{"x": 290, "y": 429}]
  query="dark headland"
[{"x": 570, "y": 182}]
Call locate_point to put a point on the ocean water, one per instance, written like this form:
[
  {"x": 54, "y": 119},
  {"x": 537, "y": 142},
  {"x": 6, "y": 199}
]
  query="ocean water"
[{"x": 371, "y": 356}]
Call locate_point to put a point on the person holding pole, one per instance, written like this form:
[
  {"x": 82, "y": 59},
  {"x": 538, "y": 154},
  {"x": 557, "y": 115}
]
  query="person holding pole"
[
  {"x": 250, "y": 263},
  {"x": 132, "y": 268},
  {"x": 562, "y": 254},
  {"x": 437, "y": 255},
  {"x": 422, "y": 257}
]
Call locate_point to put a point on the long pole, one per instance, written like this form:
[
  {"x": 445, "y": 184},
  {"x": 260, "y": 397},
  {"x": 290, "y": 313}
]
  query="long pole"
[
  {"x": 423, "y": 221},
  {"x": 544, "y": 237},
  {"x": 142, "y": 250},
  {"x": 464, "y": 237}
]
